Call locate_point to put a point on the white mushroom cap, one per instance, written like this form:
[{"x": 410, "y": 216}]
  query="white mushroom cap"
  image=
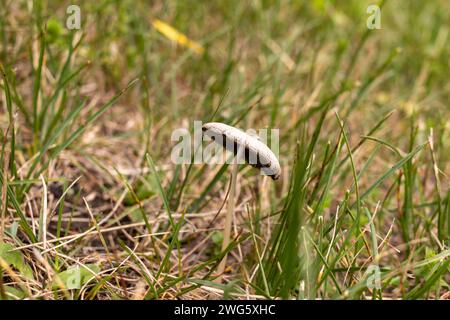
[{"x": 256, "y": 153}]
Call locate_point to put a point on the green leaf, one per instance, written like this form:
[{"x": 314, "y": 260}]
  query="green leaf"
[
  {"x": 15, "y": 259},
  {"x": 217, "y": 238},
  {"x": 143, "y": 190},
  {"x": 76, "y": 276},
  {"x": 434, "y": 276},
  {"x": 228, "y": 289},
  {"x": 54, "y": 30}
]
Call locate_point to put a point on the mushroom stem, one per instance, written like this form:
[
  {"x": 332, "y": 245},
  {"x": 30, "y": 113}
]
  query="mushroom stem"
[{"x": 229, "y": 216}]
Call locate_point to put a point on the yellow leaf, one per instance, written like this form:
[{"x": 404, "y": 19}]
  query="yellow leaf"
[{"x": 174, "y": 35}]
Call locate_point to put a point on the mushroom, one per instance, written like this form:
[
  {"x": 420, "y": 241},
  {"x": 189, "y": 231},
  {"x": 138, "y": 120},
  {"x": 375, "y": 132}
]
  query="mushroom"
[{"x": 255, "y": 153}]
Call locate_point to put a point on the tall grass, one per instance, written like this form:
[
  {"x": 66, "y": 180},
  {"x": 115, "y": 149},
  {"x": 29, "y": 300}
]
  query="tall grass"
[{"x": 87, "y": 185}]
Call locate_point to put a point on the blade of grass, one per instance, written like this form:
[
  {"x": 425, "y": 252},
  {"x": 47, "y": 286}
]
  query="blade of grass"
[
  {"x": 161, "y": 191},
  {"x": 391, "y": 171},
  {"x": 37, "y": 88}
]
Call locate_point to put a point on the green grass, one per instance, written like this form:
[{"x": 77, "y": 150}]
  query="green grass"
[{"x": 87, "y": 183}]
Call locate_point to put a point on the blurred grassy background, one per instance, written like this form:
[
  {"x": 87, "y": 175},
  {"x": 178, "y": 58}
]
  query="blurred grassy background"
[{"x": 78, "y": 190}]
